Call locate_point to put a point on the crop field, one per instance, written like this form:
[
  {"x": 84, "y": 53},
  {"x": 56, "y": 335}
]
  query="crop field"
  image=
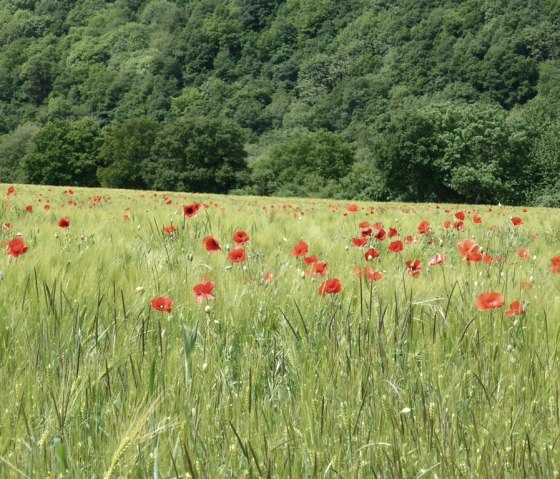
[{"x": 172, "y": 335}]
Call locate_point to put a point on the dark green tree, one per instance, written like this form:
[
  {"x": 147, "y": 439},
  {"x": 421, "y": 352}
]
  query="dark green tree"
[
  {"x": 197, "y": 154},
  {"x": 125, "y": 147},
  {"x": 64, "y": 153}
]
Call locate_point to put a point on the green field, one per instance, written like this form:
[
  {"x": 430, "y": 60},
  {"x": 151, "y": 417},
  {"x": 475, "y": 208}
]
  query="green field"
[{"x": 401, "y": 377}]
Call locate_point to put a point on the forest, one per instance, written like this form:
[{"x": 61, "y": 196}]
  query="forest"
[{"x": 405, "y": 100}]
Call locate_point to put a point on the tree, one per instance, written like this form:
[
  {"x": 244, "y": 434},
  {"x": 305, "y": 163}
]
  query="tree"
[
  {"x": 125, "y": 147},
  {"x": 449, "y": 151},
  {"x": 13, "y": 147},
  {"x": 303, "y": 165},
  {"x": 64, "y": 153},
  {"x": 197, "y": 154}
]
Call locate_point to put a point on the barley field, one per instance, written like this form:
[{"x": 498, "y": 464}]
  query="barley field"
[{"x": 172, "y": 335}]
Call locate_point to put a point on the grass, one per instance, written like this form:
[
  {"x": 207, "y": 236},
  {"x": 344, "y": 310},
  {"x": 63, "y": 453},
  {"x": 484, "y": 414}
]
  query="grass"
[{"x": 398, "y": 378}]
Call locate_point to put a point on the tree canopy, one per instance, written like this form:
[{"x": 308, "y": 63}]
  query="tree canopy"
[{"x": 444, "y": 91}]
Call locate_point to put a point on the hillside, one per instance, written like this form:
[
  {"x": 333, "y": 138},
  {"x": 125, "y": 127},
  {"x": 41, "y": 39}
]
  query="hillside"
[{"x": 369, "y": 99}]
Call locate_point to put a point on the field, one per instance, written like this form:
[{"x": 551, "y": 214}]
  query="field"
[{"x": 114, "y": 365}]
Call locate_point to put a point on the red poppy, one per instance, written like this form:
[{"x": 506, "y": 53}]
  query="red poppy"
[
  {"x": 169, "y": 229},
  {"x": 459, "y": 226},
  {"x": 11, "y": 191},
  {"x": 240, "y": 237},
  {"x": 555, "y": 264},
  {"x": 477, "y": 219},
  {"x": 490, "y": 300},
  {"x": 320, "y": 269},
  {"x": 460, "y": 215},
  {"x": 396, "y": 246},
  {"x": 380, "y": 235},
  {"x": 414, "y": 267},
  {"x": 467, "y": 246},
  {"x": 47, "y": 207},
  {"x": 437, "y": 259},
  {"x": 392, "y": 233},
  {"x": 211, "y": 244},
  {"x": 16, "y": 247},
  {"x": 352, "y": 208},
  {"x": 64, "y": 222},
  {"x": 410, "y": 239},
  {"x": 238, "y": 255},
  {"x": 330, "y": 286},
  {"x": 126, "y": 218},
  {"x": 300, "y": 249},
  {"x": 515, "y": 308},
  {"x": 203, "y": 291},
  {"x": 360, "y": 242},
  {"x": 363, "y": 225},
  {"x": 447, "y": 224},
  {"x": 311, "y": 259},
  {"x": 371, "y": 254},
  {"x": 29, "y": 208},
  {"x": 162, "y": 304},
  {"x": 523, "y": 253},
  {"x": 424, "y": 227},
  {"x": 191, "y": 210},
  {"x": 516, "y": 221},
  {"x": 373, "y": 275},
  {"x": 366, "y": 233}
]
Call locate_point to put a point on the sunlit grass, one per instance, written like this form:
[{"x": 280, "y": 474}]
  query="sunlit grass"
[{"x": 397, "y": 378}]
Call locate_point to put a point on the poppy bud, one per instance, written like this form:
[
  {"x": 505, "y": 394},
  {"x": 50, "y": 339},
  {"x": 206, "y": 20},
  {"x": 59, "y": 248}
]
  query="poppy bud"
[{"x": 207, "y": 309}]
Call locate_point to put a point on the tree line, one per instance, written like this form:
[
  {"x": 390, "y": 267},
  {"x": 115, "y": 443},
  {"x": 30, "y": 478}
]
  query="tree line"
[{"x": 367, "y": 99}]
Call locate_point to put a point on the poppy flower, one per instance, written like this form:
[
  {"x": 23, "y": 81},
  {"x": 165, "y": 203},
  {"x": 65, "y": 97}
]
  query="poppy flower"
[
  {"x": 162, "y": 304},
  {"x": 467, "y": 246},
  {"x": 373, "y": 275},
  {"x": 29, "y": 208},
  {"x": 360, "y": 242},
  {"x": 320, "y": 269},
  {"x": 371, "y": 254},
  {"x": 515, "y": 308},
  {"x": 363, "y": 225},
  {"x": 460, "y": 215},
  {"x": 352, "y": 208},
  {"x": 311, "y": 259},
  {"x": 523, "y": 253},
  {"x": 11, "y": 191},
  {"x": 459, "y": 226},
  {"x": 169, "y": 229},
  {"x": 366, "y": 233},
  {"x": 396, "y": 246},
  {"x": 410, "y": 239},
  {"x": 300, "y": 249},
  {"x": 64, "y": 222},
  {"x": 380, "y": 235},
  {"x": 330, "y": 286},
  {"x": 211, "y": 244},
  {"x": 437, "y": 259},
  {"x": 424, "y": 227},
  {"x": 238, "y": 255},
  {"x": 16, "y": 247},
  {"x": 490, "y": 300},
  {"x": 203, "y": 291},
  {"x": 477, "y": 219},
  {"x": 191, "y": 210},
  {"x": 555, "y": 264},
  {"x": 414, "y": 267},
  {"x": 447, "y": 224},
  {"x": 392, "y": 233},
  {"x": 516, "y": 221},
  {"x": 240, "y": 237}
]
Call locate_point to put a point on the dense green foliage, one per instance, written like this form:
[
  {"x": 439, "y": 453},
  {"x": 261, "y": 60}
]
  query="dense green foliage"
[{"x": 432, "y": 100}]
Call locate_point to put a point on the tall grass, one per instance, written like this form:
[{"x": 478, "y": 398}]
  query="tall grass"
[{"x": 397, "y": 378}]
